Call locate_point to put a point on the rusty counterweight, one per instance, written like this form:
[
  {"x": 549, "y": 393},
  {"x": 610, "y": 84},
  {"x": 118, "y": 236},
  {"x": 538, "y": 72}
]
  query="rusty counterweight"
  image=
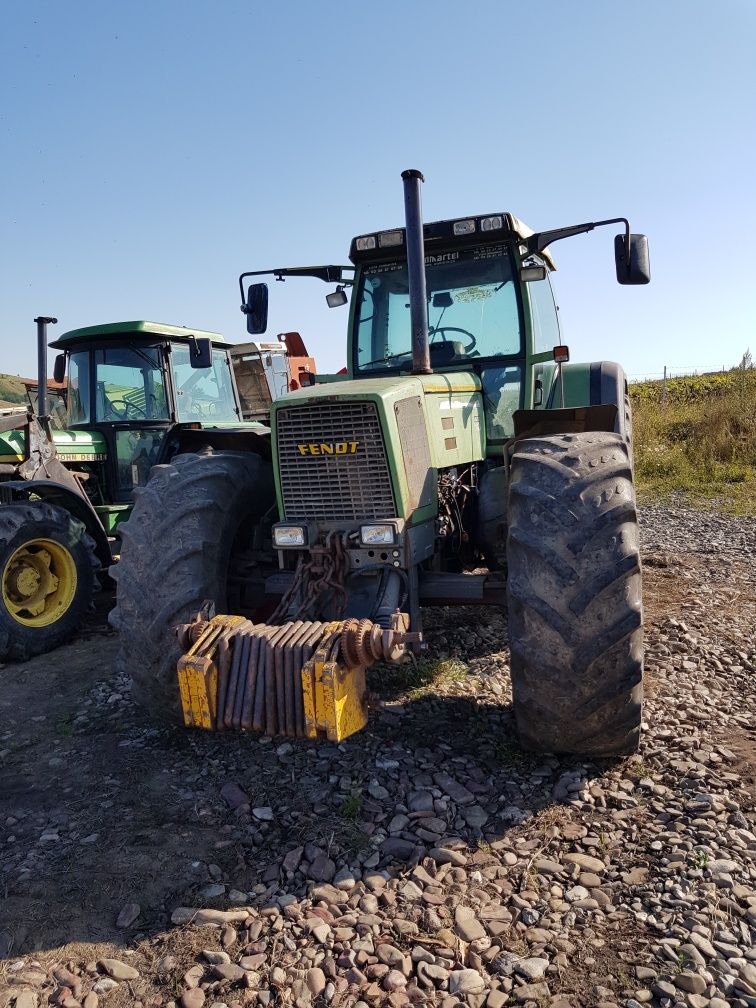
[{"x": 301, "y": 679}]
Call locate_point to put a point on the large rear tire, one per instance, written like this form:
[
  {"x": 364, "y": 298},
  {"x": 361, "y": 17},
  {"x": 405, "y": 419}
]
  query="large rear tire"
[
  {"x": 186, "y": 527},
  {"x": 47, "y": 578},
  {"x": 574, "y": 595}
]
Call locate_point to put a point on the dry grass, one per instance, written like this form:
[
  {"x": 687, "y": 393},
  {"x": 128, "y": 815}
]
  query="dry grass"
[
  {"x": 701, "y": 442},
  {"x": 12, "y": 389}
]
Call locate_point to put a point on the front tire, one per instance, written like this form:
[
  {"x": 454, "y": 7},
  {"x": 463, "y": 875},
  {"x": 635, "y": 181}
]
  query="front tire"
[
  {"x": 574, "y": 595},
  {"x": 47, "y": 578},
  {"x": 176, "y": 554}
]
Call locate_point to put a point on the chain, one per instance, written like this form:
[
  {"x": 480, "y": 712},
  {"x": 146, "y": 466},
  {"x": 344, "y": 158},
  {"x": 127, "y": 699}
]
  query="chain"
[{"x": 325, "y": 570}]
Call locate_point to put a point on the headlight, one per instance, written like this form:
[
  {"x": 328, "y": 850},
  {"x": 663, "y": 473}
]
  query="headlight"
[
  {"x": 377, "y": 535},
  {"x": 366, "y": 243},
  {"x": 289, "y": 535},
  {"x": 491, "y": 223}
]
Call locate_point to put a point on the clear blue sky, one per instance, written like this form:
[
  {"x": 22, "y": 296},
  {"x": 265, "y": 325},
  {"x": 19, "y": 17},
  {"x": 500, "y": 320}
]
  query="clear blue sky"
[{"x": 152, "y": 151}]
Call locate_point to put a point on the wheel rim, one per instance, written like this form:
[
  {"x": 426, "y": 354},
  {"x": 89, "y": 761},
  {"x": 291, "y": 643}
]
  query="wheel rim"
[{"x": 39, "y": 583}]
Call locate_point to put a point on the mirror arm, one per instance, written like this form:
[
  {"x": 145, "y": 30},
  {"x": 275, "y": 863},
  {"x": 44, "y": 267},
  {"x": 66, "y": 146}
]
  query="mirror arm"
[
  {"x": 329, "y": 274},
  {"x": 542, "y": 239}
]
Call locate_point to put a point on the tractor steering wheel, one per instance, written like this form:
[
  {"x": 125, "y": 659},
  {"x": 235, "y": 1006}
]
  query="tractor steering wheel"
[
  {"x": 445, "y": 329},
  {"x": 114, "y": 413}
]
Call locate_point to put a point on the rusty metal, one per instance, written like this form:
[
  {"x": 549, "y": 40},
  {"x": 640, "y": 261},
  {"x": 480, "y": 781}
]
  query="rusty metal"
[
  {"x": 224, "y": 663},
  {"x": 189, "y": 633},
  {"x": 364, "y": 642},
  {"x": 323, "y": 569},
  {"x": 237, "y": 682},
  {"x": 287, "y": 683},
  {"x": 300, "y": 679},
  {"x": 250, "y": 680}
]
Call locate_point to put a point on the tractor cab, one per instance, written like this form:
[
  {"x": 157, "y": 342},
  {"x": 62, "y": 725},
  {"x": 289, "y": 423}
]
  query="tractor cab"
[{"x": 128, "y": 383}]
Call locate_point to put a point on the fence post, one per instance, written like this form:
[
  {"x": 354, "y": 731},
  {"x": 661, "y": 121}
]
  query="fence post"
[{"x": 664, "y": 385}]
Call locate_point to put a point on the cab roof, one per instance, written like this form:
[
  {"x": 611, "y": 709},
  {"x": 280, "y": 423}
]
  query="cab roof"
[
  {"x": 119, "y": 331},
  {"x": 510, "y": 228}
]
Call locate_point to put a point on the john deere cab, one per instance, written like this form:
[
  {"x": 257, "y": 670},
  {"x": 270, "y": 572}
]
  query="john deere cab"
[
  {"x": 460, "y": 440},
  {"x": 128, "y": 383},
  {"x": 137, "y": 393}
]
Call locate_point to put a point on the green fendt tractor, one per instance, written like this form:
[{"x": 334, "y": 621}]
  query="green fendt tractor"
[
  {"x": 460, "y": 439},
  {"x": 138, "y": 392}
]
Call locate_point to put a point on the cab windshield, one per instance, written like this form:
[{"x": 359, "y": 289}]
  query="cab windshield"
[
  {"x": 472, "y": 310},
  {"x": 203, "y": 394}
]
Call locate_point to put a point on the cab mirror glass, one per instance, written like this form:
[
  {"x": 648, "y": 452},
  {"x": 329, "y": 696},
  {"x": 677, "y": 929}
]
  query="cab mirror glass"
[
  {"x": 200, "y": 352},
  {"x": 634, "y": 268},
  {"x": 336, "y": 298},
  {"x": 530, "y": 273},
  {"x": 256, "y": 309},
  {"x": 59, "y": 369}
]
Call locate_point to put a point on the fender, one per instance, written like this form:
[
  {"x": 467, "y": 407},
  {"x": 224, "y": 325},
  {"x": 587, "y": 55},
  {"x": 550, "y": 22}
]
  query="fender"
[
  {"x": 186, "y": 438},
  {"x": 79, "y": 507},
  {"x": 608, "y": 384},
  {"x": 587, "y": 388},
  {"x": 571, "y": 420}
]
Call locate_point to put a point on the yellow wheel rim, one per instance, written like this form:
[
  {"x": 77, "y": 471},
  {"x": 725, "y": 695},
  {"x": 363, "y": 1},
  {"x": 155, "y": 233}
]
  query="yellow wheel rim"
[{"x": 39, "y": 583}]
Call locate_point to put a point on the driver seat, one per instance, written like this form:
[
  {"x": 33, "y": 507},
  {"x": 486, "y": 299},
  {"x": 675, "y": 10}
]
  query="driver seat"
[{"x": 446, "y": 352}]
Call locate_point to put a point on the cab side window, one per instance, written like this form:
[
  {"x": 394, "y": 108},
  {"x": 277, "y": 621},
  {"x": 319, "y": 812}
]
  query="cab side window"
[
  {"x": 543, "y": 311},
  {"x": 78, "y": 388}
]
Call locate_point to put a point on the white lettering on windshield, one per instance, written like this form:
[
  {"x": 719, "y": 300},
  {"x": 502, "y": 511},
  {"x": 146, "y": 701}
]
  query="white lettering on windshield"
[{"x": 445, "y": 257}]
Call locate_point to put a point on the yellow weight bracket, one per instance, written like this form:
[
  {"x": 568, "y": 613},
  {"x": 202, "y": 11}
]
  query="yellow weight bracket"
[
  {"x": 198, "y": 674},
  {"x": 344, "y": 701},
  {"x": 334, "y": 695}
]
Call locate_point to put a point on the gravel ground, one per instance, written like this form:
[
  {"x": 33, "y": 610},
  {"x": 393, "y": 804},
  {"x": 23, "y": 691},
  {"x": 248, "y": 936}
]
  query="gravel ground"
[{"x": 428, "y": 860}]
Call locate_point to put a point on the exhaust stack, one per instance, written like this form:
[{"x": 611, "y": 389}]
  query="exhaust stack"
[
  {"x": 42, "y": 323},
  {"x": 416, "y": 271}
]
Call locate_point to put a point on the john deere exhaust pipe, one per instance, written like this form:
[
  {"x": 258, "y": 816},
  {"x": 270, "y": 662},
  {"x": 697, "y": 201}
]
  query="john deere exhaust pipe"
[
  {"x": 42, "y": 323},
  {"x": 416, "y": 269}
]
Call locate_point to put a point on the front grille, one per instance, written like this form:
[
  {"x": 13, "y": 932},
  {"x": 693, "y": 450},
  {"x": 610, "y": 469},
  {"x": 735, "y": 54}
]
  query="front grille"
[{"x": 353, "y": 486}]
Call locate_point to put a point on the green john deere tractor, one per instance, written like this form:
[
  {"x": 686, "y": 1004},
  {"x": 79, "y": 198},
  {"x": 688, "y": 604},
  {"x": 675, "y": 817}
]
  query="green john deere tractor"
[
  {"x": 460, "y": 439},
  {"x": 138, "y": 393}
]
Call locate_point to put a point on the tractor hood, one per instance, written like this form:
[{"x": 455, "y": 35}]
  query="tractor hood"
[{"x": 393, "y": 385}]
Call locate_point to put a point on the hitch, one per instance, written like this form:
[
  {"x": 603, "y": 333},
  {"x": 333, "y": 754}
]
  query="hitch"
[{"x": 302, "y": 679}]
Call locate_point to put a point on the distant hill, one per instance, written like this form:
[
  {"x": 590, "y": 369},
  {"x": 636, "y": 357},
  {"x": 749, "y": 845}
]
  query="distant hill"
[{"x": 12, "y": 389}]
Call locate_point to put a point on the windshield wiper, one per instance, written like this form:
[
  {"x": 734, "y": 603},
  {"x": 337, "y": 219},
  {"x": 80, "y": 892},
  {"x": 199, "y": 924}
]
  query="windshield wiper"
[{"x": 388, "y": 357}]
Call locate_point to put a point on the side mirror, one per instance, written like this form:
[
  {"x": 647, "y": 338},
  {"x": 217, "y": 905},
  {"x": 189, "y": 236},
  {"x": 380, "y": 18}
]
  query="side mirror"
[
  {"x": 200, "y": 352},
  {"x": 530, "y": 273},
  {"x": 336, "y": 298},
  {"x": 636, "y": 269},
  {"x": 256, "y": 309},
  {"x": 59, "y": 370}
]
